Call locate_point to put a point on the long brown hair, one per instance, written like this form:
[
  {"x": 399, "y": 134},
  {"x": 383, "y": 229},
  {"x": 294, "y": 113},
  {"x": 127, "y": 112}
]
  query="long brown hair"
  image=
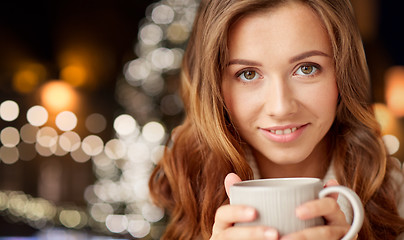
[{"x": 188, "y": 181}]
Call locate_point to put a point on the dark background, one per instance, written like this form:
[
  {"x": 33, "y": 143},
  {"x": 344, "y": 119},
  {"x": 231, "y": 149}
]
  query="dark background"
[{"x": 41, "y": 30}]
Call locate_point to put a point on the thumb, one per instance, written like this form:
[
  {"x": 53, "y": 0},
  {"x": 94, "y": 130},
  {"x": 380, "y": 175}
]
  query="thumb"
[{"x": 230, "y": 179}]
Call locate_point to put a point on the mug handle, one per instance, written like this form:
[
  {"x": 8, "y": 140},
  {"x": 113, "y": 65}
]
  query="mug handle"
[{"x": 356, "y": 204}]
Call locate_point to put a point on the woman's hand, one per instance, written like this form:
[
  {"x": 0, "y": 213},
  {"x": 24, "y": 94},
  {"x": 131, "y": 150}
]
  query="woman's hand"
[
  {"x": 227, "y": 215},
  {"x": 336, "y": 226}
]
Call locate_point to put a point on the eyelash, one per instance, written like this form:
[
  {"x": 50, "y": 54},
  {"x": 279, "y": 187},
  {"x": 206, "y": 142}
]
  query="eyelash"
[
  {"x": 314, "y": 65},
  {"x": 239, "y": 73}
]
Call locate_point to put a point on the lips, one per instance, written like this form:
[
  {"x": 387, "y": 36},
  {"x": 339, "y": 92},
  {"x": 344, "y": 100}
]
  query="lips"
[
  {"x": 284, "y": 131},
  {"x": 284, "y": 134}
]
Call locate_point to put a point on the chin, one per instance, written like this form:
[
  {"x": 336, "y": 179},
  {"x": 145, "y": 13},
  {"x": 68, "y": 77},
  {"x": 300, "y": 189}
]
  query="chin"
[{"x": 287, "y": 159}]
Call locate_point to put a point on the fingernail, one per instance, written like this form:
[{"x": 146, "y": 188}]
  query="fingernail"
[
  {"x": 249, "y": 212},
  {"x": 271, "y": 234},
  {"x": 302, "y": 211}
]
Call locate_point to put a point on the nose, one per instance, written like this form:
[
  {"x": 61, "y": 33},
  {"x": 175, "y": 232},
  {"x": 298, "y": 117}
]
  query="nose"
[{"x": 280, "y": 98}]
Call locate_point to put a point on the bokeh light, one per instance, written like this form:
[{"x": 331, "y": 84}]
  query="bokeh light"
[
  {"x": 28, "y": 77},
  {"x": 162, "y": 58},
  {"x": 115, "y": 149},
  {"x": 9, "y": 155},
  {"x": 37, "y": 115},
  {"x": 35, "y": 211},
  {"x": 395, "y": 90},
  {"x": 392, "y": 143},
  {"x": 80, "y": 156},
  {"x": 160, "y": 50},
  {"x": 58, "y": 96},
  {"x": 157, "y": 153},
  {"x": 118, "y": 201},
  {"x": 385, "y": 118},
  {"x": 17, "y": 203},
  {"x": 58, "y": 150},
  {"x": 9, "y": 110},
  {"x": 177, "y": 32},
  {"x": 3, "y": 201},
  {"x": 136, "y": 71},
  {"x": 28, "y": 133},
  {"x": 102, "y": 161},
  {"x": 152, "y": 213},
  {"x": 75, "y": 75},
  {"x": 90, "y": 196},
  {"x": 69, "y": 141},
  {"x": 125, "y": 125},
  {"x": 96, "y": 123},
  {"x": 116, "y": 223},
  {"x": 151, "y": 34},
  {"x": 138, "y": 152},
  {"x": 153, "y": 85},
  {"x": 138, "y": 227},
  {"x": 92, "y": 145},
  {"x": 66, "y": 121},
  {"x": 44, "y": 151},
  {"x": 9, "y": 137},
  {"x": 178, "y": 54},
  {"x": 100, "y": 211},
  {"x": 153, "y": 132},
  {"x": 47, "y": 137},
  {"x": 162, "y": 14},
  {"x": 70, "y": 218}
]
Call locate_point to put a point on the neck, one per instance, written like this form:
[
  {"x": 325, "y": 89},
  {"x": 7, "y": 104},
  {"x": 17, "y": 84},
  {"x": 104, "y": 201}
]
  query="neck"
[{"x": 315, "y": 165}]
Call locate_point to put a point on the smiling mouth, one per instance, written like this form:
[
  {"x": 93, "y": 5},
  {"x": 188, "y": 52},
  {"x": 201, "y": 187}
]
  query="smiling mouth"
[
  {"x": 284, "y": 134},
  {"x": 284, "y": 131}
]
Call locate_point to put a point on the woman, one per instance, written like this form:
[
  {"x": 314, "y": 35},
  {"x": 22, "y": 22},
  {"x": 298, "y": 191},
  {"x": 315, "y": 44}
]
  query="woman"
[{"x": 275, "y": 88}]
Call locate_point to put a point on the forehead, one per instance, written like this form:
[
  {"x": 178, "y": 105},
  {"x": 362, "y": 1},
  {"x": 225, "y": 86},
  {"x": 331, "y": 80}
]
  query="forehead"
[{"x": 285, "y": 27}]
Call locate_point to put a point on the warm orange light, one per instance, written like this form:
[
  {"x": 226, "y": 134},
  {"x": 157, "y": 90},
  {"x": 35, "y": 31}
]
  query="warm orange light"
[
  {"x": 28, "y": 77},
  {"x": 385, "y": 118},
  {"x": 395, "y": 90},
  {"x": 58, "y": 96},
  {"x": 84, "y": 66},
  {"x": 74, "y": 74}
]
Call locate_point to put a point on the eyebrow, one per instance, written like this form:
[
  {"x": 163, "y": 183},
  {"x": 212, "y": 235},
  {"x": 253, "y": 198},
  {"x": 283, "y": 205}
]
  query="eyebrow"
[
  {"x": 244, "y": 62},
  {"x": 307, "y": 55},
  {"x": 292, "y": 60}
]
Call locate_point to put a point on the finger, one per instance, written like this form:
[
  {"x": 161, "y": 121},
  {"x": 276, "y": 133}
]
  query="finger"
[
  {"x": 326, "y": 207},
  {"x": 332, "y": 182},
  {"x": 320, "y": 233},
  {"x": 231, "y": 179},
  {"x": 251, "y": 233},
  {"x": 227, "y": 215}
]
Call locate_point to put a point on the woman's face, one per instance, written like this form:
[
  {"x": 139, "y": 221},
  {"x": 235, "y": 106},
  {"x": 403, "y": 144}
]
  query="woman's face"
[{"x": 279, "y": 84}]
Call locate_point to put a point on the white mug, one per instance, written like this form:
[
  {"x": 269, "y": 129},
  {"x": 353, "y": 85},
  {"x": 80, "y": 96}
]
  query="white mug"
[{"x": 276, "y": 200}]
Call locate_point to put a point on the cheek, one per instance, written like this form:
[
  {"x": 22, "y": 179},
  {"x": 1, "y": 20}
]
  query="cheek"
[
  {"x": 238, "y": 103},
  {"x": 323, "y": 100}
]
